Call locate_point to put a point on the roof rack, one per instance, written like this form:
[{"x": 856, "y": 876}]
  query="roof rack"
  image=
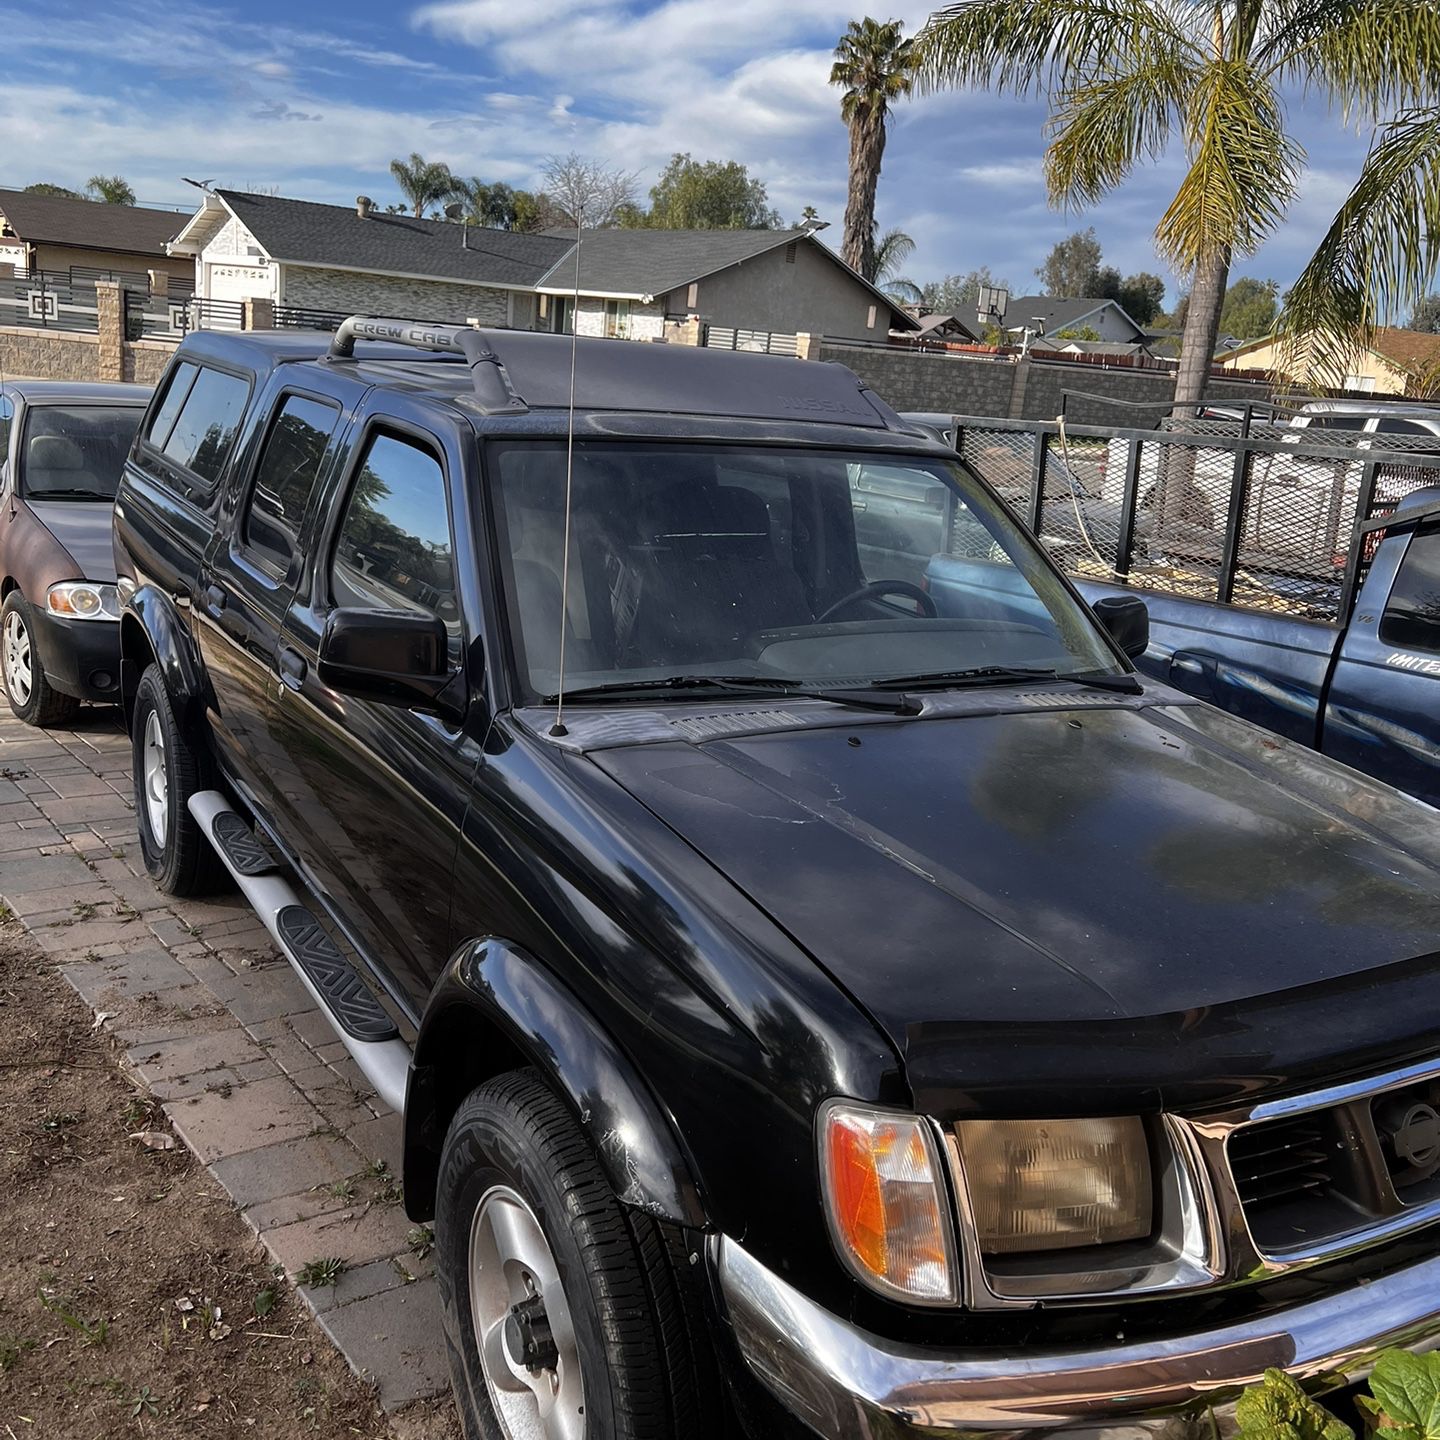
[{"x": 493, "y": 389}]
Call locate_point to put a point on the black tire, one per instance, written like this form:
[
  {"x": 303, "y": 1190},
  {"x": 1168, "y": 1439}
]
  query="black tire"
[
  {"x": 44, "y": 706},
  {"x": 180, "y": 861},
  {"x": 635, "y": 1296}
]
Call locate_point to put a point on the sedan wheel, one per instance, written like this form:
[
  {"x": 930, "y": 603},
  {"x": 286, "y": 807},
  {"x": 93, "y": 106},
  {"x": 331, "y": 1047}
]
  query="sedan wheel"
[
  {"x": 524, "y": 1332},
  {"x": 18, "y": 676}
]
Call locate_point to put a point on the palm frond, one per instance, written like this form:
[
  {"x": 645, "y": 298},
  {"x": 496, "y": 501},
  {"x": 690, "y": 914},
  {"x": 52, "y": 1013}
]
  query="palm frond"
[
  {"x": 1028, "y": 47},
  {"x": 1243, "y": 168},
  {"x": 1100, "y": 131},
  {"x": 1379, "y": 256},
  {"x": 1371, "y": 59},
  {"x": 892, "y": 250}
]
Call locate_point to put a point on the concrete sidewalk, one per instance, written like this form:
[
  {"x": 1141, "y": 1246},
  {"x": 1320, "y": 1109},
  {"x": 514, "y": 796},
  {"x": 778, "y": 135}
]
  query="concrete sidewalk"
[{"x": 215, "y": 1022}]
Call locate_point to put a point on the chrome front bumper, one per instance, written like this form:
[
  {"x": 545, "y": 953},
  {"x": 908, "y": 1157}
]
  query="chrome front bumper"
[{"x": 849, "y": 1385}]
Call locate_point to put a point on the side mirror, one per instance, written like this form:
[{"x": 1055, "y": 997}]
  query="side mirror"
[
  {"x": 394, "y": 657},
  {"x": 1127, "y": 622}
]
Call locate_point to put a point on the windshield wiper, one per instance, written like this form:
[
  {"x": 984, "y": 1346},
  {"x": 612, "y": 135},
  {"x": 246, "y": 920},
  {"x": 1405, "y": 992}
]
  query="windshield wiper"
[
  {"x": 982, "y": 675},
  {"x": 866, "y": 699},
  {"x": 72, "y": 493}
]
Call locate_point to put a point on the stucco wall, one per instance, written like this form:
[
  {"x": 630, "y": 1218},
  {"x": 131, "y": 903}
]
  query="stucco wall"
[
  {"x": 62, "y": 257},
  {"x": 323, "y": 289},
  {"x": 812, "y": 294}
]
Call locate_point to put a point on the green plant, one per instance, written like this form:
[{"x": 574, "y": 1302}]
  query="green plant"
[
  {"x": 84, "y": 909},
  {"x": 1404, "y": 1399},
  {"x": 12, "y": 1347},
  {"x": 92, "y": 1332},
  {"x": 266, "y": 1301},
  {"x": 144, "y": 1401},
  {"x": 421, "y": 1241},
  {"x": 316, "y": 1274}
]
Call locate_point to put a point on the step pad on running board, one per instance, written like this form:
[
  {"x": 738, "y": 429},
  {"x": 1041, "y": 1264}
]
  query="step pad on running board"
[
  {"x": 347, "y": 995},
  {"x": 238, "y": 841}
]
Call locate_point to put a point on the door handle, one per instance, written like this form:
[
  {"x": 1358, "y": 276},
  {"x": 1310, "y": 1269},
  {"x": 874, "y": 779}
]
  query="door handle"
[
  {"x": 215, "y": 599},
  {"x": 293, "y": 668}
]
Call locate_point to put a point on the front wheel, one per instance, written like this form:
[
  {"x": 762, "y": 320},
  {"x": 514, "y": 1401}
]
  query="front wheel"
[
  {"x": 167, "y": 771},
  {"x": 33, "y": 699},
  {"x": 565, "y": 1314}
]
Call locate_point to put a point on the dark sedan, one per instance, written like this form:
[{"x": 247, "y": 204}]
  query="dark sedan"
[{"x": 62, "y": 446}]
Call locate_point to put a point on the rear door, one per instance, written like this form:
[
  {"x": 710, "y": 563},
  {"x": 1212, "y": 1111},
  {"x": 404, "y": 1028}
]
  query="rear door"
[
  {"x": 1383, "y": 710},
  {"x": 373, "y": 795},
  {"x": 250, "y": 571}
]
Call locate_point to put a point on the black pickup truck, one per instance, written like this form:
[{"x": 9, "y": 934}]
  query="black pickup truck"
[{"x": 828, "y": 1016}]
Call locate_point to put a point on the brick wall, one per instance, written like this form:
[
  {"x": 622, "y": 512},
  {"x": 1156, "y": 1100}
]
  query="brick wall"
[
  {"x": 317, "y": 288},
  {"x": 1026, "y": 390},
  {"x": 48, "y": 354}
]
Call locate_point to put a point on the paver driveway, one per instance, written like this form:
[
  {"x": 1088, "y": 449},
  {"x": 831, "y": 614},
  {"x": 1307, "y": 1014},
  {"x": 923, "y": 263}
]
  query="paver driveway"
[{"x": 214, "y": 1021}]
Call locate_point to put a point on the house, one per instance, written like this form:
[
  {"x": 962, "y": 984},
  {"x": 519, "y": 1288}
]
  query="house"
[
  {"x": 356, "y": 259},
  {"x": 1100, "y": 349},
  {"x": 1396, "y": 362},
  {"x": 87, "y": 238},
  {"x": 942, "y": 327},
  {"x": 1050, "y": 314},
  {"x": 338, "y": 258},
  {"x": 784, "y": 281}
]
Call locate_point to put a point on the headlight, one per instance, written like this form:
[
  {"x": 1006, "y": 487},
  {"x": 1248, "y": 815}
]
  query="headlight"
[
  {"x": 888, "y": 1207},
  {"x": 83, "y": 600},
  {"x": 1040, "y": 1185}
]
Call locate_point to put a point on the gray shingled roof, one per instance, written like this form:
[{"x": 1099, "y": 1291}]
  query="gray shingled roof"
[
  {"x": 305, "y": 233},
  {"x": 655, "y": 262},
  {"x": 89, "y": 224},
  {"x": 1058, "y": 312}
]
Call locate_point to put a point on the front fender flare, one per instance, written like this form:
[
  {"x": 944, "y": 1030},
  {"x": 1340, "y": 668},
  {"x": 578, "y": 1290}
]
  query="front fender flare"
[
  {"x": 493, "y": 995},
  {"x": 170, "y": 642}
]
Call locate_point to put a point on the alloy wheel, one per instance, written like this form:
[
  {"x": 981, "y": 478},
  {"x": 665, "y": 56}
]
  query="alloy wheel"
[
  {"x": 19, "y": 678},
  {"x": 523, "y": 1327},
  {"x": 155, "y": 782}
]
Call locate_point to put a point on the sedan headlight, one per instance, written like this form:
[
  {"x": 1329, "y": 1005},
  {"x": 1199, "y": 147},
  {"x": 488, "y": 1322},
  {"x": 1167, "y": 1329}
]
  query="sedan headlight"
[
  {"x": 887, "y": 1204},
  {"x": 1044, "y": 1185},
  {"x": 83, "y": 600}
]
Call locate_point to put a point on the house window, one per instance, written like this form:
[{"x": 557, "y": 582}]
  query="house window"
[
  {"x": 870, "y": 319},
  {"x": 1364, "y": 383},
  {"x": 617, "y": 319},
  {"x": 562, "y": 315}
]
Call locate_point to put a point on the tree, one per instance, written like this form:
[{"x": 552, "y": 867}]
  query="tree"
[
  {"x": 424, "y": 182},
  {"x": 1250, "y": 308},
  {"x": 1072, "y": 268},
  {"x": 110, "y": 189},
  {"x": 587, "y": 192},
  {"x": 957, "y": 293},
  {"x": 708, "y": 195},
  {"x": 58, "y": 192},
  {"x": 492, "y": 205},
  {"x": 809, "y": 216},
  {"x": 1076, "y": 332},
  {"x": 1142, "y": 297},
  {"x": 876, "y": 67},
  {"x": 1125, "y": 78},
  {"x": 892, "y": 250},
  {"x": 1426, "y": 316}
]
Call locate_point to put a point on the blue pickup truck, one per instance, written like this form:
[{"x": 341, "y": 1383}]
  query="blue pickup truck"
[{"x": 1365, "y": 691}]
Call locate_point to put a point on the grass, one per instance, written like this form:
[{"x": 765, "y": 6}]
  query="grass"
[
  {"x": 84, "y": 909},
  {"x": 421, "y": 1241},
  {"x": 318, "y": 1274},
  {"x": 12, "y": 1347},
  {"x": 92, "y": 1332}
]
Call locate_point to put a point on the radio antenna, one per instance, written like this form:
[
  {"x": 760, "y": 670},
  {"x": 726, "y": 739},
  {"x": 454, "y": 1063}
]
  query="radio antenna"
[{"x": 558, "y": 728}]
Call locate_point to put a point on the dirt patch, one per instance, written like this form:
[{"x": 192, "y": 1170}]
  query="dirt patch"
[{"x": 133, "y": 1299}]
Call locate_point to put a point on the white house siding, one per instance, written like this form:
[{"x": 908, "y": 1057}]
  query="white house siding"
[
  {"x": 647, "y": 322},
  {"x": 316, "y": 288},
  {"x": 233, "y": 266}
]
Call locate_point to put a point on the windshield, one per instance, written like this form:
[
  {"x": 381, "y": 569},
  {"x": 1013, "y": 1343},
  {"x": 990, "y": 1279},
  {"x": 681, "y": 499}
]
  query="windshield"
[
  {"x": 786, "y": 565},
  {"x": 76, "y": 452}
]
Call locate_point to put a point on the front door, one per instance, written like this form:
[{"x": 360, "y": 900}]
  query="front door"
[
  {"x": 248, "y": 577},
  {"x": 1383, "y": 712},
  {"x": 373, "y": 794}
]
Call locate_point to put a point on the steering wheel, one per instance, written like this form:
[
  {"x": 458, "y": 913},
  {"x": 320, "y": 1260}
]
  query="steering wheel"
[{"x": 877, "y": 588}]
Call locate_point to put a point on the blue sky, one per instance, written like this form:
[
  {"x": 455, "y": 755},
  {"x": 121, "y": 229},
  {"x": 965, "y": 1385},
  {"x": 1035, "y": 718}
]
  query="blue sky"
[{"x": 316, "y": 96}]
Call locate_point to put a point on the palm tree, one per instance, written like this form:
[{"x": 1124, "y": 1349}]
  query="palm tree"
[
  {"x": 892, "y": 250},
  {"x": 110, "y": 189},
  {"x": 875, "y": 64},
  {"x": 1377, "y": 260},
  {"x": 423, "y": 182},
  {"x": 1123, "y": 78}
]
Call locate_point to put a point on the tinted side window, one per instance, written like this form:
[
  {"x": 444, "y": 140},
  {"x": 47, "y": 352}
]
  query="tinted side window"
[
  {"x": 181, "y": 379},
  {"x": 1412, "y": 614},
  {"x": 1403, "y": 427},
  {"x": 284, "y": 478},
  {"x": 7, "y": 418},
  {"x": 1339, "y": 422},
  {"x": 204, "y": 430},
  {"x": 393, "y": 550}
]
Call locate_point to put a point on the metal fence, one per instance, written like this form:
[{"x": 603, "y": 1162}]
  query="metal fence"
[
  {"x": 298, "y": 317},
  {"x": 49, "y": 300},
  {"x": 156, "y": 317},
  {"x": 762, "y": 342},
  {"x": 217, "y": 314},
  {"x": 1264, "y": 519}
]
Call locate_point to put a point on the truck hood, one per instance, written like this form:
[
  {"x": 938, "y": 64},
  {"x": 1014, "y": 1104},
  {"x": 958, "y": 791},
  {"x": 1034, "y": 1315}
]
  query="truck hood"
[
  {"x": 986, "y": 873},
  {"x": 83, "y": 527}
]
